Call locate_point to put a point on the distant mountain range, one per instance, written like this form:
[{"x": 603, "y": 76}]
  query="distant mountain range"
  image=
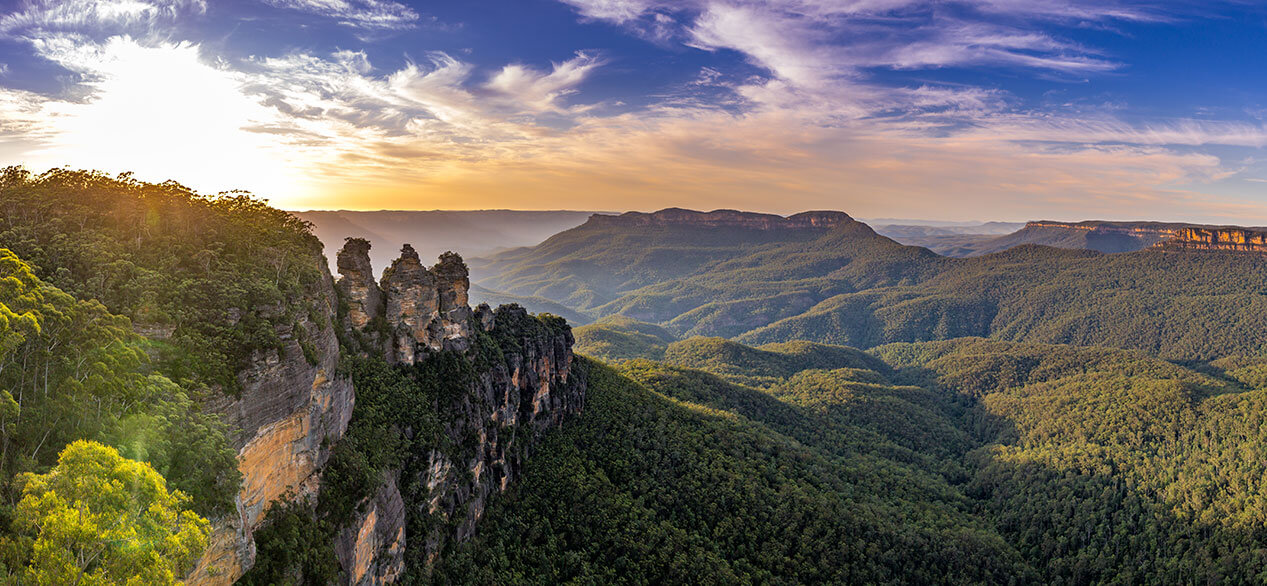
[
  {"x": 469, "y": 233},
  {"x": 761, "y": 278},
  {"x": 979, "y": 239}
]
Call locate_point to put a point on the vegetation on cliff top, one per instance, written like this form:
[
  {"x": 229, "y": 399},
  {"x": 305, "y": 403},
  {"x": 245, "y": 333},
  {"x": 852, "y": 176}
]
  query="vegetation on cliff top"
[
  {"x": 100, "y": 518},
  {"x": 217, "y": 272}
]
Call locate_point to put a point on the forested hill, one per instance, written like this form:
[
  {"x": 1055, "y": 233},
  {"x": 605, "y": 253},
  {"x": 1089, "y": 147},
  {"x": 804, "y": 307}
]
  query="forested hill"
[{"x": 846, "y": 284}]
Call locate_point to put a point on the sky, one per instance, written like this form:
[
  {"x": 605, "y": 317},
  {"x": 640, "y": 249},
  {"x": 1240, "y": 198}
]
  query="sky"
[{"x": 942, "y": 109}]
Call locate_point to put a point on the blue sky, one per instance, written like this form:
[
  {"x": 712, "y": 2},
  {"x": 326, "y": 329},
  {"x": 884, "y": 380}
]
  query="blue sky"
[{"x": 955, "y": 109}]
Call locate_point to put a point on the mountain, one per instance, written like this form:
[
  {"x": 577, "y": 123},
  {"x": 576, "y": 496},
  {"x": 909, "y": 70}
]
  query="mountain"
[
  {"x": 380, "y": 429},
  {"x": 469, "y": 233},
  {"x": 843, "y": 283}
]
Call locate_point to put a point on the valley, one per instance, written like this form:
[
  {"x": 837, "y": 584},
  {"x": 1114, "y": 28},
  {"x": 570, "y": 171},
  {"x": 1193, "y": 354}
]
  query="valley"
[{"x": 732, "y": 397}]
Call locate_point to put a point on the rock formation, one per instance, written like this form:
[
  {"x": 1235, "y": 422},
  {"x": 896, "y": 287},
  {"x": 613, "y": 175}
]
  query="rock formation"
[
  {"x": 1233, "y": 239},
  {"x": 294, "y": 409},
  {"x": 1171, "y": 236},
  {"x": 360, "y": 291},
  {"x": 511, "y": 401},
  {"x": 426, "y": 308}
]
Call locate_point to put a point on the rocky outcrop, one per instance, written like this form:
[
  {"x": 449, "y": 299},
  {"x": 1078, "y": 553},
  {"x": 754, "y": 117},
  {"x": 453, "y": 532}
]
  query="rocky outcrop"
[
  {"x": 724, "y": 218},
  {"x": 1171, "y": 236},
  {"x": 292, "y": 408},
  {"x": 1158, "y": 230},
  {"x": 521, "y": 384},
  {"x": 426, "y": 309},
  {"x": 506, "y": 409},
  {"x": 1230, "y": 239},
  {"x": 360, "y": 291}
]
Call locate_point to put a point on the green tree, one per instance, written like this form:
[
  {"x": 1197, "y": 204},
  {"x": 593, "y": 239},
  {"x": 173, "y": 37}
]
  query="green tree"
[{"x": 100, "y": 518}]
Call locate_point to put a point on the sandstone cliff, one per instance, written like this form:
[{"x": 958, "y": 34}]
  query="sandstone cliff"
[
  {"x": 1233, "y": 239},
  {"x": 295, "y": 408},
  {"x": 292, "y": 407}
]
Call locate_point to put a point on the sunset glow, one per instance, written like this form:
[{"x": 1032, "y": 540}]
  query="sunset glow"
[{"x": 893, "y": 108}]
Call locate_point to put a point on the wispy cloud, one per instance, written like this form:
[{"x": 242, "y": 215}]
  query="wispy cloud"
[
  {"x": 539, "y": 91},
  {"x": 364, "y": 14},
  {"x": 40, "y": 18},
  {"x": 816, "y": 125}
]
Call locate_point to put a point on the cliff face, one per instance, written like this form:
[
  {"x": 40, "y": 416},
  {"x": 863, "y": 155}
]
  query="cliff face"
[
  {"x": 1168, "y": 236},
  {"x": 1233, "y": 239},
  {"x": 292, "y": 408},
  {"x": 521, "y": 385},
  {"x": 725, "y": 218},
  {"x": 1140, "y": 229}
]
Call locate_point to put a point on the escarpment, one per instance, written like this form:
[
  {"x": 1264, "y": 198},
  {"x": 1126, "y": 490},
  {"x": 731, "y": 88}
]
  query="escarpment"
[
  {"x": 292, "y": 408},
  {"x": 508, "y": 378},
  {"x": 1232, "y": 239},
  {"x": 488, "y": 382}
]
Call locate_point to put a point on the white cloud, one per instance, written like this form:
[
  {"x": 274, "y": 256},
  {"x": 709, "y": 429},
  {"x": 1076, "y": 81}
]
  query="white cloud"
[
  {"x": 39, "y": 18},
  {"x": 160, "y": 111},
  {"x": 538, "y": 91},
  {"x": 782, "y": 45},
  {"x": 364, "y": 14}
]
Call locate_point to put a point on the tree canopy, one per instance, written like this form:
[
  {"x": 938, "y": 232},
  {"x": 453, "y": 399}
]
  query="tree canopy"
[{"x": 98, "y": 518}]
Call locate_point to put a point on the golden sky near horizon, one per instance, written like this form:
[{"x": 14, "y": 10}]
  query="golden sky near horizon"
[{"x": 1001, "y": 111}]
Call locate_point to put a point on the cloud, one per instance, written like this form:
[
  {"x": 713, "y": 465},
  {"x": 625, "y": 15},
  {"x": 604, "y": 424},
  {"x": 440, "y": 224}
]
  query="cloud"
[
  {"x": 158, "y": 110},
  {"x": 379, "y": 15},
  {"x": 816, "y": 128},
  {"x": 807, "y": 42},
  {"x": 41, "y": 18},
  {"x": 538, "y": 91}
]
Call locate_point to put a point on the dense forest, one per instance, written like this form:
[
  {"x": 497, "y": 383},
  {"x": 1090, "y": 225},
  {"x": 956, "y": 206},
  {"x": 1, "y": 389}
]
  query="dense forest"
[{"x": 1046, "y": 464}]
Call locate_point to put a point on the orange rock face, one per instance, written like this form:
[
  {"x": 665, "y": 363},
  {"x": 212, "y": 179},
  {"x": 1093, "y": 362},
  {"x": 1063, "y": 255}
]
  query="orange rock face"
[
  {"x": 288, "y": 409},
  {"x": 1232, "y": 239}
]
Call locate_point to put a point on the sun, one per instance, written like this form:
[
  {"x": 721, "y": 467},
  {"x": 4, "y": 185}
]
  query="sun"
[{"x": 164, "y": 112}]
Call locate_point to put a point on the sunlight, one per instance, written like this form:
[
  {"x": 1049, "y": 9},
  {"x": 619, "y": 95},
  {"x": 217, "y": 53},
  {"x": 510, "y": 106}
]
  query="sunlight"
[{"x": 163, "y": 113}]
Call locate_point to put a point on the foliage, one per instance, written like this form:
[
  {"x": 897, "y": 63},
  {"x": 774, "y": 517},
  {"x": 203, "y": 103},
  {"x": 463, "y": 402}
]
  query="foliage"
[
  {"x": 294, "y": 547},
  {"x": 616, "y": 338},
  {"x": 1061, "y": 464},
  {"x": 645, "y": 489},
  {"x": 219, "y": 272},
  {"x": 71, "y": 370},
  {"x": 99, "y": 518}
]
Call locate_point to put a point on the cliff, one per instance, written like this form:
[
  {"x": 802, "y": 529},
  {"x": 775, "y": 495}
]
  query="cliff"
[
  {"x": 1170, "y": 236},
  {"x": 509, "y": 379},
  {"x": 494, "y": 381},
  {"x": 292, "y": 407},
  {"x": 1232, "y": 239},
  {"x": 724, "y": 218}
]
